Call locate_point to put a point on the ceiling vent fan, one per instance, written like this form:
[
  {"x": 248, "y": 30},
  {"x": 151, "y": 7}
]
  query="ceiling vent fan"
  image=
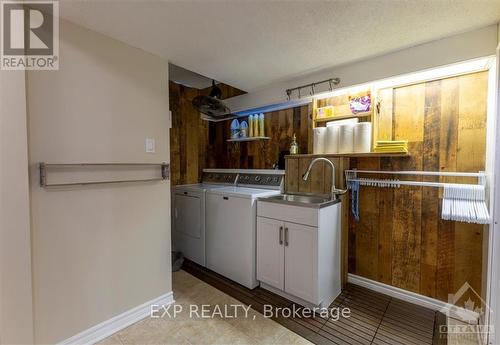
[{"x": 211, "y": 107}]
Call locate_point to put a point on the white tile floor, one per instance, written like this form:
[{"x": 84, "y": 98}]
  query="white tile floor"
[{"x": 183, "y": 329}]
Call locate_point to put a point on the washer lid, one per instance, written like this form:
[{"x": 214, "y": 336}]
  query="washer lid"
[
  {"x": 243, "y": 192},
  {"x": 198, "y": 187}
]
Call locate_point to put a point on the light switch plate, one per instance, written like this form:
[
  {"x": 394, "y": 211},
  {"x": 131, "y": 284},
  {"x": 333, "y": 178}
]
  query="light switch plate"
[{"x": 150, "y": 145}]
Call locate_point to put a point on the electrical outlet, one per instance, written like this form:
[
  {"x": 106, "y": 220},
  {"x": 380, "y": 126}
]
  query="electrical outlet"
[{"x": 150, "y": 145}]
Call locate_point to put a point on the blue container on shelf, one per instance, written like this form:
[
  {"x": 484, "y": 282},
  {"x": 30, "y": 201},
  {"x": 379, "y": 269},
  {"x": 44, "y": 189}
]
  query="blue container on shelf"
[
  {"x": 235, "y": 129},
  {"x": 243, "y": 129}
]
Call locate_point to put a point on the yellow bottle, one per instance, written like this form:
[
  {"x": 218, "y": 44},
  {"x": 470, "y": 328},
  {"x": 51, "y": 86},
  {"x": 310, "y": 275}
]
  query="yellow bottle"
[
  {"x": 261, "y": 125},
  {"x": 250, "y": 126},
  {"x": 256, "y": 125}
]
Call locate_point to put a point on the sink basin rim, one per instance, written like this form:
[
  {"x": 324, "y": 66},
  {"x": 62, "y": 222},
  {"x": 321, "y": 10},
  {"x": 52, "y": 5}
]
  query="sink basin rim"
[{"x": 302, "y": 199}]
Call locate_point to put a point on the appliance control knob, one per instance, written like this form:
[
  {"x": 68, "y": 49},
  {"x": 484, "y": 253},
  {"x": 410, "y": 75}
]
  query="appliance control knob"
[
  {"x": 257, "y": 178},
  {"x": 268, "y": 179},
  {"x": 247, "y": 178},
  {"x": 275, "y": 179}
]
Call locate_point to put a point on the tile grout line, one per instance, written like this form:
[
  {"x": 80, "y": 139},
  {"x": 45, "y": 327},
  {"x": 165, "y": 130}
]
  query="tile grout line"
[
  {"x": 320, "y": 326},
  {"x": 381, "y": 319},
  {"x": 340, "y": 304}
]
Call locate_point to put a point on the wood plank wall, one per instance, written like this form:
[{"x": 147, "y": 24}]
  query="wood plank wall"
[
  {"x": 190, "y": 148},
  {"x": 279, "y": 126},
  {"x": 401, "y": 239},
  {"x": 197, "y": 144},
  {"x": 320, "y": 182}
]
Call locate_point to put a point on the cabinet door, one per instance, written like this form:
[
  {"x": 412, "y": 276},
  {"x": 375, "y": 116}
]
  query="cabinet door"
[
  {"x": 270, "y": 255},
  {"x": 301, "y": 261}
]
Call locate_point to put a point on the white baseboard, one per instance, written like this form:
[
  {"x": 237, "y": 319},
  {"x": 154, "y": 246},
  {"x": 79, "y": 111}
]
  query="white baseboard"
[
  {"x": 408, "y": 296},
  {"x": 113, "y": 325},
  {"x": 289, "y": 297}
]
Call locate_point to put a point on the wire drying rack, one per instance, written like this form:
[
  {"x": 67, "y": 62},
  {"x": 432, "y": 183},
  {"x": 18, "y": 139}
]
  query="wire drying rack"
[
  {"x": 461, "y": 202},
  {"x": 352, "y": 176}
]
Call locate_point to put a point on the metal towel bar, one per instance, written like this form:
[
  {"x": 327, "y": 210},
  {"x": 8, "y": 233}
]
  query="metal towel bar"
[{"x": 43, "y": 168}]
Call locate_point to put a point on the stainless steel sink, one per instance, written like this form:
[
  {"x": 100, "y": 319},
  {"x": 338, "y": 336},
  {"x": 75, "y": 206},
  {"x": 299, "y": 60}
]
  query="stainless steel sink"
[{"x": 304, "y": 200}]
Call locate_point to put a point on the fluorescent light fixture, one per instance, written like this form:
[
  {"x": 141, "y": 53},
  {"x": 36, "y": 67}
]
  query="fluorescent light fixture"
[
  {"x": 344, "y": 90},
  {"x": 447, "y": 71},
  {"x": 469, "y": 66},
  {"x": 275, "y": 107}
]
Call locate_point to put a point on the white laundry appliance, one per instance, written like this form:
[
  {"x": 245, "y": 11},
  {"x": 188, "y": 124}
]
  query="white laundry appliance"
[
  {"x": 188, "y": 213},
  {"x": 231, "y": 214}
]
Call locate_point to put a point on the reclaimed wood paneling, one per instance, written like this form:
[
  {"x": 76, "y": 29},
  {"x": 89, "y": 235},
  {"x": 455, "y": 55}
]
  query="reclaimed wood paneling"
[
  {"x": 401, "y": 239},
  {"x": 366, "y": 240},
  {"x": 292, "y": 175},
  {"x": 190, "y": 149},
  {"x": 383, "y": 129},
  {"x": 445, "y": 123},
  {"x": 471, "y": 153},
  {"x": 406, "y": 231},
  {"x": 385, "y": 221},
  {"x": 408, "y": 119},
  {"x": 447, "y": 162},
  {"x": 280, "y": 126},
  {"x": 320, "y": 182},
  {"x": 430, "y": 208}
]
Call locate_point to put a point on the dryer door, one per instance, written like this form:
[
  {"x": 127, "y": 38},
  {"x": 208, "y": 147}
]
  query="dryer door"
[
  {"x": 188, "y": 235},
  {"x": 187, "y": 215}
]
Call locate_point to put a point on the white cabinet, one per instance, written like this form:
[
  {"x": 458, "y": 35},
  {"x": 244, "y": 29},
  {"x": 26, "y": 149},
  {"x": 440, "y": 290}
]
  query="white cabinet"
[
  {"x": 301, "y": 248},
  {"x": 270, "y": 257},
  {"x": 299, "y": 259}
]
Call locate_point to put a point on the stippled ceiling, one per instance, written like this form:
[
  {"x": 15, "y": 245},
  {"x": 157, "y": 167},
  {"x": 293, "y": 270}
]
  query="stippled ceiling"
[{"x": 253, "y": 43}]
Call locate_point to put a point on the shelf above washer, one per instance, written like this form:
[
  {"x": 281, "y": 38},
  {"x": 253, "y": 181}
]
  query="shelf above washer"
[{"x": 248, "y": 139}]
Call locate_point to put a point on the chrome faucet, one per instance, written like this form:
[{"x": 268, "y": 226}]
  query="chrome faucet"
[{"x": 333, "y": 191}]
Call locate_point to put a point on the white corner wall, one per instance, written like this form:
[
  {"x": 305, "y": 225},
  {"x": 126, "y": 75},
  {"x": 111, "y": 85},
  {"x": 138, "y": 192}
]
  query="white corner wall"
[
  {"x": 16, "y": 307},
  {"x": 98, "y": 251}
]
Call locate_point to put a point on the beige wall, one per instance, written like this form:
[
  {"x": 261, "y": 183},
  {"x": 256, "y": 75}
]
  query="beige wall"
[
  {"x": 97, "y": 250},
  {"x": 16, "y": 308}
]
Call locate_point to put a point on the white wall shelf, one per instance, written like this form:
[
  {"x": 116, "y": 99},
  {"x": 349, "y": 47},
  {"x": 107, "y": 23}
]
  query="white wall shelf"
[{"x": 343, "y": 117}]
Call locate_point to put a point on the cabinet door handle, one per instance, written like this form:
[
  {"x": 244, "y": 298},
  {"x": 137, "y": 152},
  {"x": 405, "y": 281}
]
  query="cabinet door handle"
[
  {"x": 286, "y": 237},
  {"x": 281, "y": 236}
]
